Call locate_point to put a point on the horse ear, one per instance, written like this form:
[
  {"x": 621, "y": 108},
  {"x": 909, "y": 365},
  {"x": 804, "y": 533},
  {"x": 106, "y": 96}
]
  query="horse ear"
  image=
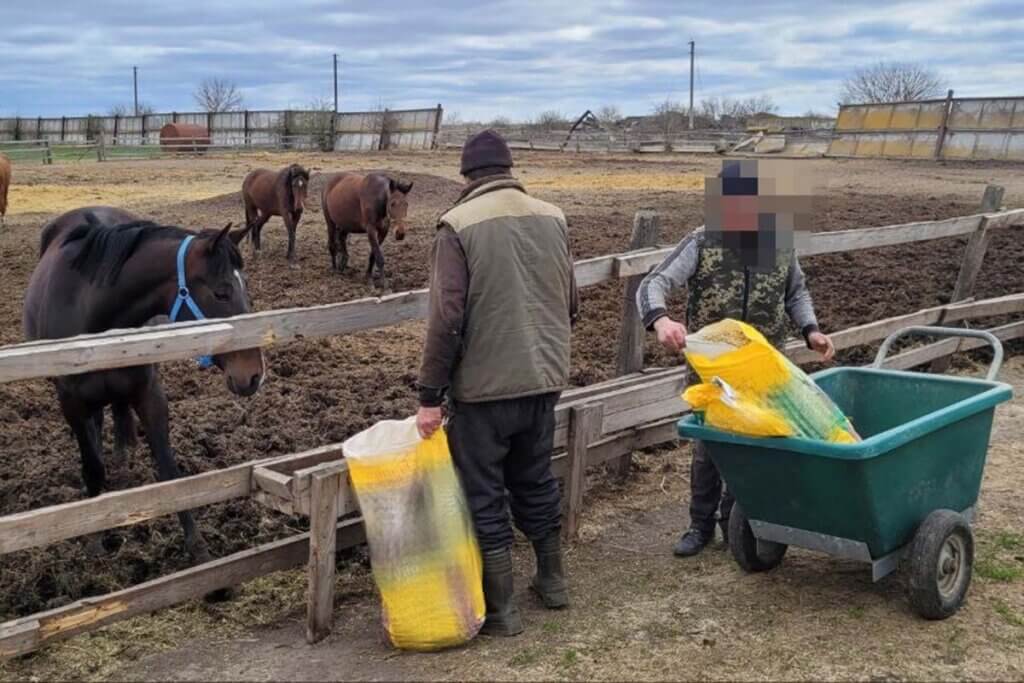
[
  {"x": 392, "y": 184},
  {"x": 220, "y": 235},
  {"x": 405, "y": 187}
]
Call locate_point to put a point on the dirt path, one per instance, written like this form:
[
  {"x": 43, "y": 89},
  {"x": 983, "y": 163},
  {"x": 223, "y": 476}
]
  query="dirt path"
[{"x": 640, "y": 614}]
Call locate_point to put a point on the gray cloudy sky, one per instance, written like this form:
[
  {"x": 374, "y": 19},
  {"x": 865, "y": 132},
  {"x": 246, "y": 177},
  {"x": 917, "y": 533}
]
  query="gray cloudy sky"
[{"x": 488, "y": 58}]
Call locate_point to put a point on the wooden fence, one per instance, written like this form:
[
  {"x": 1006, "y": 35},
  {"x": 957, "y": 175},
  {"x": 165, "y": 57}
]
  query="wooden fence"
[{"x": 596, "y": 424}]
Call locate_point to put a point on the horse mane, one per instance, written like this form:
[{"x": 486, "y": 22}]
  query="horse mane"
[{"x": 105, "y": 249}]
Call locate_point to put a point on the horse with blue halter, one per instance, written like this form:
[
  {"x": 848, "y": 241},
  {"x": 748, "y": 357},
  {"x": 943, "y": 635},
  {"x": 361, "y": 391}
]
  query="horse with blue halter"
[{"x": 101, "y": 268}]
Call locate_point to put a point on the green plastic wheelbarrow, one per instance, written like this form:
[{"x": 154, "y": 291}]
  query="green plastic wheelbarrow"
[{"x": 904, "y": 495}]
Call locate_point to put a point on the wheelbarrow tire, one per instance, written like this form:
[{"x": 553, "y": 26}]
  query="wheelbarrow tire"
[
  {"x": 941, "y": 558},
  {"x": 750, "y": 554}
]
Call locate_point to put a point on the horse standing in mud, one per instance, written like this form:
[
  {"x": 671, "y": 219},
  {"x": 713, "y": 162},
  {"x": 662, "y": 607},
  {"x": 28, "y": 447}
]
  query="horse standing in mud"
[
  {"x": 269, "y": 193},
  {"x": 102, "y": 268},
  {"x": 5, "y": 183},
  {"x": 369, "y": 204}
]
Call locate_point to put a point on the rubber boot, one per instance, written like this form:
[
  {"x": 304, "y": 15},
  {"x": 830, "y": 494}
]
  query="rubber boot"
[
  {"x": 549, "y": 581},
  {"x": 502, "y": 614}
]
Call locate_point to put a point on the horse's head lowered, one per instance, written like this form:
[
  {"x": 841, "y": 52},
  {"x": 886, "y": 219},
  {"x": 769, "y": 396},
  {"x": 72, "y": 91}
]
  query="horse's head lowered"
[
  {"x": 216, "y": 282},
  {"x": 141, "y": 271},
  {"x": 398, "y": 206},
  {"x": 298, "y": 186}
]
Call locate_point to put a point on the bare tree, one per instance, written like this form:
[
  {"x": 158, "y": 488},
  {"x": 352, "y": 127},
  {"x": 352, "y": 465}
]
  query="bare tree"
[
  {"x": 218, "y": 94},
  {"x": 726, "y": 112},
  {"x": 129, "y": 110},
  {"x": 670, "y": 117},
  {"x": 500, "y": 122},
  {"x": 891, "y": 82},
  {"x": 317, "y": 122},
  {"x": 551, "y": 120},
  {"x": 609, "y": 114}
]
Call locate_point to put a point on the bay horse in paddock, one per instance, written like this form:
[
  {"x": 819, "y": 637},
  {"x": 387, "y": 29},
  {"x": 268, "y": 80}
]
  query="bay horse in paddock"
[
  {"x": 102, "y": 268},
  {"x": 275, "y": 193},
  {"x": 369, "y": 204},
  {"x": 5, "y": 183}
]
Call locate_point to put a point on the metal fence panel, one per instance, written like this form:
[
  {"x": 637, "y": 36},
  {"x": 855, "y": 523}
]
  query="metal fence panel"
[{"x": 975, "y": 128}]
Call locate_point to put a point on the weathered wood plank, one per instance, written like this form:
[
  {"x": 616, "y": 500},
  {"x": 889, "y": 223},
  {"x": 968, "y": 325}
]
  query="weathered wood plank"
[
  {"x": 92, "y": 613},
  {"x": 584, "y": 425},
  {"x": 929, "y": 352},
  {"x": 852, "y": 240},
  {"x": 122, "y": 348},
  {"x": 889, "y": 235},
  {"x": 322, "y": 523},
  {"x": 630, "y": 357},
  {"x": 117, "y": 350},
  {"x": 974, "y": 255},
  {"x": 122, "y": 508},
  {"x": 302, "y": 486},
  {"x": 274, "y": 483}
]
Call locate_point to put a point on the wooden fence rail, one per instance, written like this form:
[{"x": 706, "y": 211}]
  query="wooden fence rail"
[{"x": 179, "y": 341}]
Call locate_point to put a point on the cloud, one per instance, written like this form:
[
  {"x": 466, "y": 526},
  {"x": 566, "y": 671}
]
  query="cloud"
[{"x": 485, "y": 58}]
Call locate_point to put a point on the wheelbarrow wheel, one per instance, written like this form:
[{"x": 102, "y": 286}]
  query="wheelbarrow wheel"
[
  {"x": 941, "y": 558},
  {"x": 751, "y": 554}
]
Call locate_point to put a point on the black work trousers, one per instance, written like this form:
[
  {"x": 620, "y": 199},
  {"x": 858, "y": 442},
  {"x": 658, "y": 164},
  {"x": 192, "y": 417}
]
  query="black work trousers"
[
  {"x": 707, "y": 492},
  {"x": 502, "y": 452}
]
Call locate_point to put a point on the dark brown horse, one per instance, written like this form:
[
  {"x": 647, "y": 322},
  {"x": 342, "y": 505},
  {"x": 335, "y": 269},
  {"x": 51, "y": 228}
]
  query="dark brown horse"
[
  {"x": 369, "y": 204},
  {"x": 102, "y": 268},
  {"x": 269, "y": 193}
]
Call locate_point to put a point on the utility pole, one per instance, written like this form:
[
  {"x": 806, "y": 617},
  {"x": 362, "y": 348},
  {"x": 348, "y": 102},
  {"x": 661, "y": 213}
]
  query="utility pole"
[
  {"x": 335, "y": 83},
  {"x": 691, "y": 85},
  {"x": 135, "y": 87}
]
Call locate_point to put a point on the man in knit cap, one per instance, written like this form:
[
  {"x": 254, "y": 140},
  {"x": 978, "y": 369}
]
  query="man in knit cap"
[{"x": 502, "y": 305}]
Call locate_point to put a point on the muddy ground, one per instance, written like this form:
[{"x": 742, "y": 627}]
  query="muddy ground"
[{"x": 323, "y": 391}]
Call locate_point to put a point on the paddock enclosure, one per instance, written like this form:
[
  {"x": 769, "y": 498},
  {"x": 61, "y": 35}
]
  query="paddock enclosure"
[{"x": 320, "y": 391}]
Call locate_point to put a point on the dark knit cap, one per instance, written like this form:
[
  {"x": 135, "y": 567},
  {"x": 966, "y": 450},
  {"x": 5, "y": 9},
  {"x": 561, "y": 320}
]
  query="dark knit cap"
[
  {"x": 485, "y": 149},
  {"x": 739, "y": 177}
]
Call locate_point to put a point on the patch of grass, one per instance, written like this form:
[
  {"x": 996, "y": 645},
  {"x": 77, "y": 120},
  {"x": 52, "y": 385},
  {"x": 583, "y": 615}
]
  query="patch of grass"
[
  {"x": 525, "y": 657},
  {"x": 857, "y": 612},
  {"x": 1008, "y": 614},
  {"x": 1008, "y": 540},
  {"x": 551, "y": 627},
  {"x": 570, "y": 658},
  {"x": 995, "y": 570}
]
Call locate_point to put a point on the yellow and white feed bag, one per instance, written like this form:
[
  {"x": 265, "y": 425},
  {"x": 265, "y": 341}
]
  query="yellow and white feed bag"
[
  {"x": 750, "y": 388},
  {"x": 423, "y": 549}
]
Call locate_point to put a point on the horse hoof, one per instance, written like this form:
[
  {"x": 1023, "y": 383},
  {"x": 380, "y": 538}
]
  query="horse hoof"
[{"x": 293, "y": 266}]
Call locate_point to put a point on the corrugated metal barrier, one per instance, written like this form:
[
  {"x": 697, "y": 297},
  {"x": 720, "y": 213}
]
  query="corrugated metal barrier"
[{"x": 951, "y": 128}]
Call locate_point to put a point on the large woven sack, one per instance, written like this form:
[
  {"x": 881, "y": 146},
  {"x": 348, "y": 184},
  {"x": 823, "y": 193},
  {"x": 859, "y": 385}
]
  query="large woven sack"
[
  {"x": 750, "y": 388},
  {"x": 423, "y": 550}
]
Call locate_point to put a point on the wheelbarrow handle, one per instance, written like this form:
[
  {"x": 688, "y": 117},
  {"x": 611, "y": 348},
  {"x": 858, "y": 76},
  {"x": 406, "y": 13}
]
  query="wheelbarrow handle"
[{"x": 925, "y": 331}]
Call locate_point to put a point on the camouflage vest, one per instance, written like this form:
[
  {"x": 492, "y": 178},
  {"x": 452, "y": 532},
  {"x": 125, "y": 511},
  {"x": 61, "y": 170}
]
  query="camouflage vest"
[{"x": 723, "y": 288}]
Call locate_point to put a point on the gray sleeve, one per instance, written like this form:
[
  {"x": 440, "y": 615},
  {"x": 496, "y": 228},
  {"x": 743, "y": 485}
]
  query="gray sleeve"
[
  {"x": 672, "y": 273},
  {"x": 799, "y": 306}
]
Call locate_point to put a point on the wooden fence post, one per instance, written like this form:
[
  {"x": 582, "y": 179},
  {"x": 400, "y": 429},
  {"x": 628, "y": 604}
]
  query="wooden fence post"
[
  {"x": 101, "y": 146},
  {"x": 970, "y": 265},
  {"x": 941, "y": 140},
  {"x": 584, "y": 427},
  {"x": 323, "y": 517},
  {"x": 47, "y": 153},
  {"x": 631, "y": 334}
]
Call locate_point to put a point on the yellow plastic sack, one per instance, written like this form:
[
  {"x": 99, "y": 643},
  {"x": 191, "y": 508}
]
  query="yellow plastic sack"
[
  {"x": 423, "y": 549},
  {"x": 749, "y": 388}
]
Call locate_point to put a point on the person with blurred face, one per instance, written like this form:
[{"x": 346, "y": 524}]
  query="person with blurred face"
[{"x": 742, "y": 265}]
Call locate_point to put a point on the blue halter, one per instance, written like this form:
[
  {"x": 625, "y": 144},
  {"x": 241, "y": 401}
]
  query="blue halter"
[{"x": 184, "y": 297}]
